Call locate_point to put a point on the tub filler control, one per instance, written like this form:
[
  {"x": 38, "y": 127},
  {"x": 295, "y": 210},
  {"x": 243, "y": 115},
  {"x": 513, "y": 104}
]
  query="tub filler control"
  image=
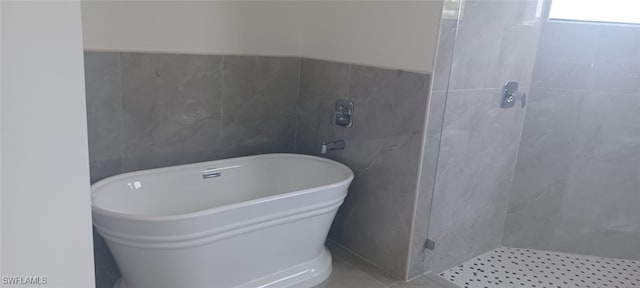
[
  {"x": 343, "y": 113},
  {"x": 330, "y": 146}
]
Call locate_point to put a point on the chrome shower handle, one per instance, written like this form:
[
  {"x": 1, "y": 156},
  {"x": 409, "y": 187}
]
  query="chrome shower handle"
[{"x": 510, "y": 94}]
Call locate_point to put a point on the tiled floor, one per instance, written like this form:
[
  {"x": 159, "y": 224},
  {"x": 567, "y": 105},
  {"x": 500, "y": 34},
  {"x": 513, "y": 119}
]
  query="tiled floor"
[
  {"x": 350, "y": 271},
  {"x": 512, "y": 267}
]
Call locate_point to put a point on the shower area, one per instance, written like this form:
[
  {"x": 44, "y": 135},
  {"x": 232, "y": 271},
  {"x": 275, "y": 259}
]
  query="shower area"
[{"x": 538, "y": 187}]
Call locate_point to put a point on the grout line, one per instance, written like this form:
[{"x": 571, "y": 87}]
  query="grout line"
[
  {"x": 297, "y": 113},
  {"x": 385, "y": 67},
  {"x": 364, "y": 260},
  {"x": 221, "y": 128},
  {"x": 122, "y": 136},
  {"x": 582, "y": 90}
]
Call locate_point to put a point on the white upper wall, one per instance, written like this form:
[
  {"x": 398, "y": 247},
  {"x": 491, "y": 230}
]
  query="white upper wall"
[
  {"x": 206, "y": 27},
  {"x": 395, "y": 34},
  {"x": 46, "y": 206}
]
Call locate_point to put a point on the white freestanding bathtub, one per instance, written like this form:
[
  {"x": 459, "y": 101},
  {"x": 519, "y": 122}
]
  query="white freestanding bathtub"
[{"x": 258, "y": 221}]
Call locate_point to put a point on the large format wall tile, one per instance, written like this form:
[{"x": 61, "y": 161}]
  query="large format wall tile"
[
  {"x": 375, "y": 220},
  {"x": 496, "y": 41},
  {"x": 153, "y": 110},
  {"x": 321, "y": 83},
  {"x": 391, "y": 102},
  {"x": 260, "y": 101},
  {"x": 578, "y": 198},
  {"x": 576, "y": 183},
  {"x": 382, "y": 147},
  {"x": 475, "y": 168},
  {"x": 104, "y": 113},
  {"x": 551, "y": 121},
  {"x": 569, "y": 42},
  {"x": 171, "y": 108}
]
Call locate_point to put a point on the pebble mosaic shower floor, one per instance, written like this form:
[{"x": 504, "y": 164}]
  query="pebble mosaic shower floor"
[{"x": 512, "y": 267}]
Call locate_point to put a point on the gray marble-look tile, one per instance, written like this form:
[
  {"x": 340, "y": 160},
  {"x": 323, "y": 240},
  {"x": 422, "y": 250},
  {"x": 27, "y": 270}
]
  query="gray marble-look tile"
[
  {"x": 470, "y": 213},
  {"x": 103, "y": 169},
  {"x": 549, "y": 129},
  {"x": 618, "y": 44},
  {"x": 260, "y": 102},
  {"x": 518, "y": 66},
  {"x": 560, "y": 75},
  {"x": 568, "y": 42},
  {"x": 106, "y": 277},
  {"x": 577, "y": 170},
  {"x": 362, "y": 264},
  {"x": 321, "y": 83},
  {"x": 616, "y": 77},
  {"x": 474, "y": 173},
  {"x": 564, "y": 217},
  {"x": 171, "y": 105},
  {"x": 106, "y": 269},
  {"x": 104, "y": 105},
  {"x": 476, "y": 130},
  {"x": 375, "y": 219},
  {"x": 385, "y": 140},
  {"x": 493, "y": 42},
  {"x": 600, "y": 214},
  {"x": 156, "y": 159},
  {"x": 387, "y": 102},
  {"x": 477, "y": 36},
  {"x": 607, "y": 158},
  {"x": 532, "y": 223},
  {"x": 609, "y": 124}
]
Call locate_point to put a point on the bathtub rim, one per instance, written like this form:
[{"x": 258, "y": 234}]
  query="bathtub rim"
[{"x": 209, "y": 211}]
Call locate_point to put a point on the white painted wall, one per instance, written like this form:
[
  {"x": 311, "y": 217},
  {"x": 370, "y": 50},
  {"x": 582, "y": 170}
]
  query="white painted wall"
[
  {"x": 207, "y": 27},
  {"x": 395, "y": 34},
  {"x": 45, "y": 213}
]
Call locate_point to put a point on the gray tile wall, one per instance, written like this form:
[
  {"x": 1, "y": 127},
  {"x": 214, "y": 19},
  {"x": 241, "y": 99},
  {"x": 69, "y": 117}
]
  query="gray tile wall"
[
  {"x": 153, "y": 110},
  {"x": 577, "y": 180},
  {"x": 496, "y": 41},
  {"x": 383, "y": 149}
]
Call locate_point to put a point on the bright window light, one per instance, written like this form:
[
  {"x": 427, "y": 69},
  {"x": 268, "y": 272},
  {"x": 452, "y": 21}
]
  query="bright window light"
[{"x": 615, "y": 11}]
